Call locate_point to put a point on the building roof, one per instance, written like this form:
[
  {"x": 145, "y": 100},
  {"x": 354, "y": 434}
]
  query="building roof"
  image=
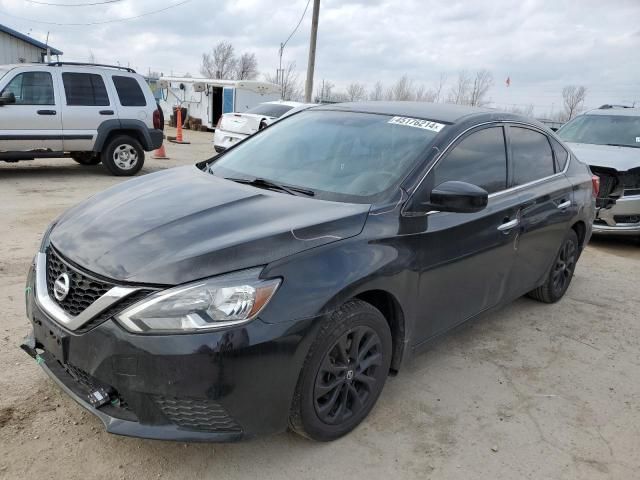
[{"x": 28, "y": 39}]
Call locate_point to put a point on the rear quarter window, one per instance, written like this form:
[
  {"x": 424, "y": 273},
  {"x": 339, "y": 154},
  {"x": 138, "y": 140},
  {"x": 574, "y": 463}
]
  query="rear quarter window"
[
  {"x": 129, "y": 92},
  {"x": 560, "y": 154}
]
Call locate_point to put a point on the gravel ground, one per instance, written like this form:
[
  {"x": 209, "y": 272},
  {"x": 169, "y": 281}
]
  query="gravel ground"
[{"x": 533, "y": 391}]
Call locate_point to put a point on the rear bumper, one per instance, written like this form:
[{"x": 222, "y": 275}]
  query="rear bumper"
[
  {"x": 223, "y": 139},
  {"x": 156, "y": 137},
  {"x": 623, "y": 218}
]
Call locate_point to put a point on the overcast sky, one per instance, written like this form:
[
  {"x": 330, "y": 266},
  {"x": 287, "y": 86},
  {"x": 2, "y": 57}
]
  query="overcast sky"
[{"x": 541, "y": 45}]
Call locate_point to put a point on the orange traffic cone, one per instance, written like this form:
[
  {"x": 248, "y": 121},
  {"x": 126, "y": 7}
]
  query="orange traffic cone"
[
  {"x": 178, "y": 138},
  {"x": 160, "y": 153}
]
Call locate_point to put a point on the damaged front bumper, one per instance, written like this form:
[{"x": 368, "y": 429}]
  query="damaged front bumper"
[{"x": 622, "y": 218}]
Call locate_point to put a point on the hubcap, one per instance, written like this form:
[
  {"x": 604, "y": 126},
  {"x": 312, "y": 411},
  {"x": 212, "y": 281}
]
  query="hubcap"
[
  {"x": 125, "y": 156},
  {"x": 565, "y": 264},
  {"x": 347, "y": 376}
]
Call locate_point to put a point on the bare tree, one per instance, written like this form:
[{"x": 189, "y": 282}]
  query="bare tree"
[
  {"x": 438, "y": 90},
  {"x": 377, "y": 93},
  {"x": 324, "y": 91},
  {"x": 481, "y": 85},
  {"x": 459, "y": 92},
  {"x": 356, "y": 92},
  {"x": 220, "y": 63},
  {"x": 573, "y": 99},
  {"x": 402, "y": 90},
  {"x": 246, "y": 67},
  {"x": 291, "y": 87}
]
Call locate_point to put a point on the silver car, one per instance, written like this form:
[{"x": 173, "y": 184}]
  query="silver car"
[{"x": 608, "y": 140}]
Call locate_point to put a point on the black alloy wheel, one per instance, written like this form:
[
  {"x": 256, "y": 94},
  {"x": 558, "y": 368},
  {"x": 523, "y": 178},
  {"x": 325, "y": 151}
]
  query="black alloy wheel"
[
  {"x": 347, "y": 375},
  {"x": 343, "y": 373},
  {"x": 561, "y": 274},
  {"x": 564, "y": 266}
]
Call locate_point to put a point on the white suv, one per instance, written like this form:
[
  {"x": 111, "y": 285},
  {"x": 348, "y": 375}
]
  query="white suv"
[{"x": 91, "y": 113}]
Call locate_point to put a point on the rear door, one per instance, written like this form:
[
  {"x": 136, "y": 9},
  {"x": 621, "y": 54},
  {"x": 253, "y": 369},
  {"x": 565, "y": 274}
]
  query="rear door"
[
  {"x": 547, "y": 204},
  {"x": 86, "y": 106},
  {"x": 465, "y": 259},
  {"x": 34, "y": 121}
]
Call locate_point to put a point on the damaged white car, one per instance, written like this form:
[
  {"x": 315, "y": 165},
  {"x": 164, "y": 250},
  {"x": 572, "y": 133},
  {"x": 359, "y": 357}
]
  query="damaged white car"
[{"x": 608, "y": 140}]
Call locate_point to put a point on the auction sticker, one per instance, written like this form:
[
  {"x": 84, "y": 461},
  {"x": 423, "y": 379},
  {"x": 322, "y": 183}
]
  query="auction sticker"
[{"x": 417, "y": 123}]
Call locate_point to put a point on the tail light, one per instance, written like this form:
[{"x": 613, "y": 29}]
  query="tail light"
[
  {"x": 595, "y": 183},
  {"x": 157, "y": 123}
]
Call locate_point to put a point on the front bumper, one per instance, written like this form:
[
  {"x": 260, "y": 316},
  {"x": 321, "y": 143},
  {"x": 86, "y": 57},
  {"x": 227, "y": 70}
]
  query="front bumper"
[
  {"x": 216, "y": 386},
  {"x": 623, "y": 218}
]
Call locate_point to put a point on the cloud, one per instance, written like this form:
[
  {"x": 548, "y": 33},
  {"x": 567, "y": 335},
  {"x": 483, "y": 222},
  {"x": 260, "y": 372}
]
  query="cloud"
[{"x": 541, "y": 44}]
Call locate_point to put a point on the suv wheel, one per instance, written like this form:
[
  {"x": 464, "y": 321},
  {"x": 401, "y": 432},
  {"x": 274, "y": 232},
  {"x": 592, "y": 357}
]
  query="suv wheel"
[
  {"x": 557, "y": 283},
  {"x": 343, "y": 373},
  {"x": 86, "y": 158},
  {"x": 123, "y": 156}
]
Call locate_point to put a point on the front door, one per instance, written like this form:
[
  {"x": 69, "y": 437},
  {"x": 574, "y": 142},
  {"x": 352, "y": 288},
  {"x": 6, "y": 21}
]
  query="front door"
[
  {"x": 465, "y": 259},
  {"x": 33, "y": 122}
]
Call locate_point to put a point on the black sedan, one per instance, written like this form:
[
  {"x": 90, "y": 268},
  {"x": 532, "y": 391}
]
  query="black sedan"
[{"x": 278, "y": 284}]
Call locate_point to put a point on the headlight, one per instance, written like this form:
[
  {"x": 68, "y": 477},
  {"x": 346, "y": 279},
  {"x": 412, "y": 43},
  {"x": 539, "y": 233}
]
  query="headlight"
[{"x": 203, "y": 305}]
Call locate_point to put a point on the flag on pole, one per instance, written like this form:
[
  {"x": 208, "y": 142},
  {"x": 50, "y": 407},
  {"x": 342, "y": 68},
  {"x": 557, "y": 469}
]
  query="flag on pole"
[{"x": 508, "y": 82}]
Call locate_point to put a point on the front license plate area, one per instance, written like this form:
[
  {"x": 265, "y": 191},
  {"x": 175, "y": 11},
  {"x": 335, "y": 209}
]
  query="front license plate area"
[{"x": 53, "y": 340}]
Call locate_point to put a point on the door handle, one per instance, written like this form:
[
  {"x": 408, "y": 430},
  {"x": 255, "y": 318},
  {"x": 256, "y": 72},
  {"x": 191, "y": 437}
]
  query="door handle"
[
  {"x": 505, "y": 227},
  {"x": 106, "y": 112},
  {"x": 564, "y": 205},
  {"x": 46, "y": 112}
]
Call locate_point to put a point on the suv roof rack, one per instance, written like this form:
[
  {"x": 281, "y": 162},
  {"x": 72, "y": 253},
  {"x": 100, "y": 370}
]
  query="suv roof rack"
[
  {"x": 607, "y": 106},
  {"x": 118, "y": 67}
]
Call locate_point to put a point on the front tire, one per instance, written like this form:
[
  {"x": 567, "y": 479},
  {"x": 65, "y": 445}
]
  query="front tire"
[
  {"x": 343, "y": 374},
  {"x": 123, "y": 156},
  {"x": 561, "y": 274}
]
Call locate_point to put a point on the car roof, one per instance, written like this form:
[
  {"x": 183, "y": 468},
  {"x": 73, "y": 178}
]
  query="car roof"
[
  {"x": 283, "y": 102},
  {"x": 615, "y": 110},
  {"x": 444, "y": 112}
]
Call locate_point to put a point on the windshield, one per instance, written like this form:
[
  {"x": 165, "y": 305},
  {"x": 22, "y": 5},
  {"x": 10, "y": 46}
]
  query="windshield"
[
  {"x": 270, "y": 109},
  {"x": 603, "y": 130},
  {"x": 341, "y": 156}
]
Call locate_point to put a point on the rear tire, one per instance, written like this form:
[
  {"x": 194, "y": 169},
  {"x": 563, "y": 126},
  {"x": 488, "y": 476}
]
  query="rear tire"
[
  {"x": 86, "y": 158},
  {"x": 123, "y": 156},
  {"x": 559, "y": 279},
  {"x": 343, "y": 374}
]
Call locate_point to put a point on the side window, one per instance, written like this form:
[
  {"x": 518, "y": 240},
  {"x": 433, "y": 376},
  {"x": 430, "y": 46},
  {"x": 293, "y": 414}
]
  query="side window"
[
  {"x": 86, "y": 89},
  {"x": 560, "y": 153},
  {"x": 32, "y": 88},
  {"x": 479, "y": 159},
  {"x": 129, "y": 91},
  {"x": 531, "y": 155}
]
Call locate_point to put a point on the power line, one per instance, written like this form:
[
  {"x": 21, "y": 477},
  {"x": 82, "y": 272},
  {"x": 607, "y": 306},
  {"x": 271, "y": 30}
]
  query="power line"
[
  {"x": 101, "y": 22},
  {"x": 73, "y": 4},
  {"x": 297, "y": 26}
]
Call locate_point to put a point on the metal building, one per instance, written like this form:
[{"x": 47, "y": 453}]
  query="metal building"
[{"x": 15, "y": 47}]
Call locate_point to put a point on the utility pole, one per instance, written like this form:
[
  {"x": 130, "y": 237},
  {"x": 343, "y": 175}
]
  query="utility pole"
[{"x": 308, "y": 89}]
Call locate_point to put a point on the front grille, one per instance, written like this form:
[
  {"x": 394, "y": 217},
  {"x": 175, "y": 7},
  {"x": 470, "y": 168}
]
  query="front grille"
[
  {"x": 83, "y": 289},
  {"x": 196, "y": 414},
  {"x": 627, "y": 218}
]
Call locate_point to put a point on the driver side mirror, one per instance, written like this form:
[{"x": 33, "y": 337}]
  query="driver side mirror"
[
  {"x": 452, "y": 196},
  {"x": 7, "y": 98}
]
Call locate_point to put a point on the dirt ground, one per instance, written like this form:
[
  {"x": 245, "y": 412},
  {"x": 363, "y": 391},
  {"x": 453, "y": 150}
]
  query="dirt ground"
[{"x": 533, "y": 391}]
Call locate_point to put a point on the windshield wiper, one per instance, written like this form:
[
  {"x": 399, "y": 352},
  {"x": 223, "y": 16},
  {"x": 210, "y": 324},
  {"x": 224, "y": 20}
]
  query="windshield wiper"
[
  {"x": 622, "y": 145},
  {"x": 264, "y": 183}
]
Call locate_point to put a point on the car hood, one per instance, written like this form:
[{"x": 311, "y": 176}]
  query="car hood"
[
  {"x": 183, "y": 224},
  {"x": 618, "y": 158}
]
